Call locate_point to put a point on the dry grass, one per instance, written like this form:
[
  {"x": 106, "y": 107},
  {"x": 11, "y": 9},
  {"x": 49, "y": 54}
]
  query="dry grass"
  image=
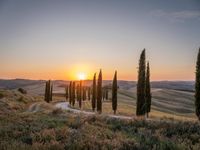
[
  {"x": 53, "y": 128},
  {"x": 127, "y": 105},
  {"x": 13, "y": 101},
  {"x": 42, "y": 130}
]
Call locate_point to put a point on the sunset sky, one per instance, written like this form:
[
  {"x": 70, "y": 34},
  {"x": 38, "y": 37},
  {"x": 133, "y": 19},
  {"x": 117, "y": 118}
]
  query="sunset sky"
[{"x": 59, "y": 39}]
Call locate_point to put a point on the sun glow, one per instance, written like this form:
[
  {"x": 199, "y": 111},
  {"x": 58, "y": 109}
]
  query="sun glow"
[{"x": 81, "y": 76}]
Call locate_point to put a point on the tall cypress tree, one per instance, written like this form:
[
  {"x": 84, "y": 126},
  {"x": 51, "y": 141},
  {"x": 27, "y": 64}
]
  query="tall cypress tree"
[
  {"x": 89, "y": 93},
  {"x": 67, "y": 92},
  {"x": 77, "y": 92},
  {"x": 80, "y": 94},
  {"x": 197, "y": 87},
  {"x": 48, "y": 92},
  {"x": 114, "y": 93},
  {"x": 73, "y": 93},
  {"x": 140, "y": 110},
  {"x": 70, "y": 93},
  {"x": 51, "y": 92},
  {"x": 106, "y": 94},
  {"x": 99, "y": 93},
  {"x": 148, "y": 91},
  {"x": 94, "y": 93},
  {"x": 84, "y": 93}
]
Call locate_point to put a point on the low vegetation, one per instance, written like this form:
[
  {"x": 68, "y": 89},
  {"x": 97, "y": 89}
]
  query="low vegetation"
[
  {"x": 64, "y": 130},
  {"x": 13, "y": 101},
  {"x": 21, "y": 90},
  {"x": 57, "y": 129}
]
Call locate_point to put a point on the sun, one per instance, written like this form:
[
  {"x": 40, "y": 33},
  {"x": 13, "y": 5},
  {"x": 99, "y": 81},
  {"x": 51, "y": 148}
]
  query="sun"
[{"x": 81, "y": 76}]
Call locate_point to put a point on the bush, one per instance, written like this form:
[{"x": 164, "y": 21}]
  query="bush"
[
  {"x": 1, "y": 96},
  {"x": 57, "y": 111},
  {"x": 21, "y": 99},
  {"x": 27, "y": 140},
  {"x": 23, "y": 91}
]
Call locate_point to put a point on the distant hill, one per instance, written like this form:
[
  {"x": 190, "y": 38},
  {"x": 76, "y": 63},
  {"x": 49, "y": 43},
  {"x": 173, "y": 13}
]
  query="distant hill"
[
  {"x": 16, "y": 83},
  {"x": 37, "y": 86}
]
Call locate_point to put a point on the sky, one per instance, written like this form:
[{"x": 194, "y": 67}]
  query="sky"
[{"x": 59, "y": 39}]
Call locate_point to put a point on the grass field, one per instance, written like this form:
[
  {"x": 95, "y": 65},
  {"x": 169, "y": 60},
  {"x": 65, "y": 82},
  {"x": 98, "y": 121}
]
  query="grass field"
[
  {"x": 166, "y": 103},
  {"x": 51, "y": 128}
]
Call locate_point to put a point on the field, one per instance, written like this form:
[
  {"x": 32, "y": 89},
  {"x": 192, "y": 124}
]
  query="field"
[
  {"x": 52, "y": 128},
  {"x": 173, "y": 100},
  {"x": 165, "y": 103},
  {"x": 24, "y": 125}
]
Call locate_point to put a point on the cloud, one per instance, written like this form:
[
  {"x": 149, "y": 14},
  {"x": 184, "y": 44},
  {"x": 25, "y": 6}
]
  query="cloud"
[{"x": 177, "y": 16}]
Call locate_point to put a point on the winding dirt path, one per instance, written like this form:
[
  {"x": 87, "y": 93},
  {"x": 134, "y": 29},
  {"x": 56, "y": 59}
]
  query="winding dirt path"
[{"x": 65, "y": 106}]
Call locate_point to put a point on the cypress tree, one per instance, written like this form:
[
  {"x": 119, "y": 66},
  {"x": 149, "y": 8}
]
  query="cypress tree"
[
  {"x": 114, "y": 93},
  {"x": 51, "y": 92},
  {"x": 103, "y": 94},
  {"x": 94, "y": 93},
  {"x": 140, "y": 110},
  {"x": 106, "y": 94},
  {"x": 48, "y": 93},
  {"x": 73, "y": 93},
  {"x": 89, "y": 93},
  {"x": 197, "y": 87},
  {"x": 82, "y": 96},
  {"x": 80, "y": 93},
  {"x": 99, "y": 93},
  {"x": 77, "y": 92},
  {"x": 148, "y": 91},
  {"x": 48, "y": 90},
  {"x": 45, "y": 96},
  {"x": 67, "y": 92},
  {"x": 70, "y": 93},
  {"x": 84, "y": 93}
]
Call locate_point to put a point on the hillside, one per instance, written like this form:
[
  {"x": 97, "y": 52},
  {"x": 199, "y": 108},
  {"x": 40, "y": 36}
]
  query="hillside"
[
  {"x": 21, "y": 129},
  {"x": 167, "y": 100}
]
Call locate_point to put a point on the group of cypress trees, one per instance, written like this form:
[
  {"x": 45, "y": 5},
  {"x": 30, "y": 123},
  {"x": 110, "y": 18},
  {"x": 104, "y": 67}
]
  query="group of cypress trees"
[
  {"x": 76, "y": 91},
  {"x": 99, "y": 93},
  {"x": 48, "y": 91},
  {"x": 105, "y": 93},
  {"x": 72, "y": 93},
  {"x": 143, "y": 87}
]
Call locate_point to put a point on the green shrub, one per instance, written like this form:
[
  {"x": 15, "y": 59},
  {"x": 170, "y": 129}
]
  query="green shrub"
[
  {"x": 23, "y": 91},
  {"x": 27, "y": 139}
]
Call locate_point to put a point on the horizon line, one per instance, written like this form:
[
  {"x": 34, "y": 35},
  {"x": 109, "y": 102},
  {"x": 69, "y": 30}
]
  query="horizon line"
[{"x": 164, "y": 80}]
